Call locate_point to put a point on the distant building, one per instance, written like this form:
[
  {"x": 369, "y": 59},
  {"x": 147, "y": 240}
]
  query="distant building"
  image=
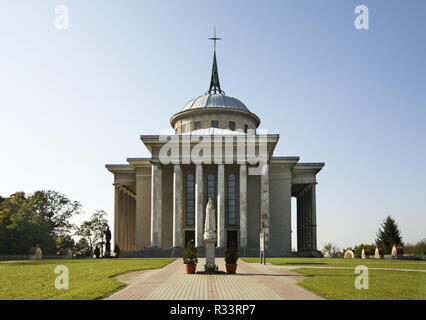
[
  {"x": 378, "y": 253},
  {"x": 349, "y": 254},
  {"x": 397, "y": 252},
  {"x": 365, "y": 253}
]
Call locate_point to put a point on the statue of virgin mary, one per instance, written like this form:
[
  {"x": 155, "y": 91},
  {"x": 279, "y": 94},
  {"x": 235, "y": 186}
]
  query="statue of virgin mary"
[{"x": 210, "y": 224}]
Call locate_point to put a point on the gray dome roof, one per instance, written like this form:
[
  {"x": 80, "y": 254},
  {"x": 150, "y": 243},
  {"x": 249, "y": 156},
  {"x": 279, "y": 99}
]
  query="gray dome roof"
[{"x": 213, "y": 100}]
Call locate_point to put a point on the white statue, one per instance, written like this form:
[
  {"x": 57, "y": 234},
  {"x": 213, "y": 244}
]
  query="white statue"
[
  {"x": 210, "y": 224},
  {"x": 38, "y": 254}
]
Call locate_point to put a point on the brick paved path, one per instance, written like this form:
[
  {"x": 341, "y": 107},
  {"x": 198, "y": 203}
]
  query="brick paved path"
[{"x": 252, "y": 282}]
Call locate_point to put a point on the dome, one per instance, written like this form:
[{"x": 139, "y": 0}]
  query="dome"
[{"x": 215, "y": 100}]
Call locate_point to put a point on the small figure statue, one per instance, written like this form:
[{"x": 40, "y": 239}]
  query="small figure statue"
[
  {"x": 97, "y": 252},
  {"x": 38, "y": 253},
  {"x": 108, "y": 242},
  {"x": 210, "y": 224}
]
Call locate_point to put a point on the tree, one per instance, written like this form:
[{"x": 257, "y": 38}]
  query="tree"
[
  {"x": 82, "y": 248},
  {"x": 388, "y": 235},
  {"x": 64, "y": 242},
  {"x": 55, "y": 208},
  {"x": 358, "y": 249},
  {"x": 93, "y": 229},
  {"x": 331, "y": 251},
  {"x": 37, "y": 219},
  {"x": 417, "y": 249}
]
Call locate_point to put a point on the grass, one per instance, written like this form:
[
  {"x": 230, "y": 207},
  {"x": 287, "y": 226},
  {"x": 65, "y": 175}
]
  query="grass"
[
  {"x": 89, "y": 279},
  {"x": 324, "y": 262},
  {"x": 340, "y": 283},
  {"x": 382, "y": 284}
]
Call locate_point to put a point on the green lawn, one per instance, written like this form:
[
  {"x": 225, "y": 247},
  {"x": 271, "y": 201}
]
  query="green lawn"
[
  {"x": 324, "y": 262},
  {"x": 383, "y": 284},
  {"x": 88, "y": 279},
  {"x": 340, "y": 283}
]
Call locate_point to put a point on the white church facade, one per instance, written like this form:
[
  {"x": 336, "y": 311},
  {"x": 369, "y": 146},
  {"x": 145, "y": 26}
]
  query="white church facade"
[{"x": 216, "y": 152}]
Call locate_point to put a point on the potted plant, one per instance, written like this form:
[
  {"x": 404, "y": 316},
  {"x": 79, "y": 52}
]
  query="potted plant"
[
  {"x": 190, "y": 258},
  {"x": 117, "y": 251},
  {"x": 231, "y": 257}
]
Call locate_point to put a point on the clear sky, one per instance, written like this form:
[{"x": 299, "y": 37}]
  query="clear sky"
[{"x": 73, "y": 100}]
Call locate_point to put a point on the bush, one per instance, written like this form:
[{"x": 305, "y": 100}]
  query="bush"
[
  {"x": 231, "y": 254},
  {"x": 190, "y": 256}
]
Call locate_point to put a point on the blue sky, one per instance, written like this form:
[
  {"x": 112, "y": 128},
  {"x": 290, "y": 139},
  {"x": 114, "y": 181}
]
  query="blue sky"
[{"x": 71, "y": 101}]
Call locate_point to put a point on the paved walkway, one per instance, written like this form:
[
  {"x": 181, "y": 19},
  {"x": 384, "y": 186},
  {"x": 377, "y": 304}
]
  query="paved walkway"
[{"x": 252, "y": 282}]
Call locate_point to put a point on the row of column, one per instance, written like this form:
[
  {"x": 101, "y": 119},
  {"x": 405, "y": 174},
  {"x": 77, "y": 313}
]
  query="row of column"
[
  {"x": 156, "y": 205},
  {"x": 306, "y": 219},
  {"x": 125, "y": 220}
]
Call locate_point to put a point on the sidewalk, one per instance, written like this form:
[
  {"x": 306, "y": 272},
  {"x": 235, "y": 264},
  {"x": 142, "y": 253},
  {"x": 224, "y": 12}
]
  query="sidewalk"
[{"x": 252, "y": 282}]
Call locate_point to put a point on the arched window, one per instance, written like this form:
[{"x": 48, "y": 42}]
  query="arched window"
[
  {"x": 232, "y": 210},
  {"x": 190, "y": 200},
  {"x": 211, "y": 191}
]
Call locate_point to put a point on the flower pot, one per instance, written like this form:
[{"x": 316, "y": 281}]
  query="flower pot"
[
  {"x": 190, "y": 268},
  {"x": 231, "y": 268}
]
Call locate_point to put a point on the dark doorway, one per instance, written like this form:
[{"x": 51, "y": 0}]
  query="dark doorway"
[
  {"x": 189, "y": 236},
  {"x": 232, "y": 236}
]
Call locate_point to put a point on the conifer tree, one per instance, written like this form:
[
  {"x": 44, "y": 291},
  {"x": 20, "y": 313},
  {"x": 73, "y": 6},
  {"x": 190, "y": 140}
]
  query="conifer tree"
[{"x": 388, "y": 235}]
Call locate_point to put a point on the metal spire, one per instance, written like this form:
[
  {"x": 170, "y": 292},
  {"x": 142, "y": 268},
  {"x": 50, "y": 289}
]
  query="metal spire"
[{"x": 214, "y": 83}]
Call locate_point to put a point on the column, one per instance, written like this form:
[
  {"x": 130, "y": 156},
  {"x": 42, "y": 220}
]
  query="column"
[
  {"x": 264, "y": 202},
  {"x": 309, "y": 218},
  {"x": 154, "y": 205},
  {"x": 159, "y": 205},
  {"x": 199, "y": 205},
  {"x": 128, "y": 222},
  {"x": 121, "y": 222},
  {"x": 302, "y": 221},
  {"x": 143, "y": 208},
  {"x": 177, "y": 205},
  {"x": 116, "y": 215},
  {"x": 299, "y": 224},
  {"x": 124, "y": 220},
  {"x": 304, "y": 224},
  {"x": 243, "y": 206},
  {"x": 221, "y": 205},
  {"x": 314, "y": 216}
]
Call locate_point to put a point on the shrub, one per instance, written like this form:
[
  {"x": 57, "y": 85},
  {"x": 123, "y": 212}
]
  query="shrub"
[
  {"x": 190, "y": 256},
  {"x": 231, "y": 254}
]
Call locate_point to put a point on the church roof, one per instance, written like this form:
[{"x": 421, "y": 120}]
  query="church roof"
[
  {"x": 215, "y": 100},
  {"x": 215, "y": 97}
]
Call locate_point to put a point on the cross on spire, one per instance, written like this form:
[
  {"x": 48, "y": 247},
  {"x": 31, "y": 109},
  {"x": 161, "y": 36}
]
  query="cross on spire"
[
  {"x": 214, "y": 83},
  {"x": 215, "y": 39}
]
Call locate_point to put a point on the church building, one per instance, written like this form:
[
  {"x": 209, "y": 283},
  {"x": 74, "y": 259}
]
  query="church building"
[{"x": 217, "y": 152}]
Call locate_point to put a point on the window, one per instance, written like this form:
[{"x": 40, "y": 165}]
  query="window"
[
  {"x": 215, "y": 124},
  {"x": 211, "y": 190},
  {"x": 190, "y": 200},
  {"x": 232, "y": 217},
  {"x": 232, "y": 125},
  {"x": 245, "y": 128},
  {"x": 184, "y": 128},
  {"x": 197, "y": 125}
]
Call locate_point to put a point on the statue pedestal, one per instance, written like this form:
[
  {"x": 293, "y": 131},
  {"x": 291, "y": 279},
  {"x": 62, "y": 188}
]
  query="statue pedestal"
[{"x": 210, "y": 251}]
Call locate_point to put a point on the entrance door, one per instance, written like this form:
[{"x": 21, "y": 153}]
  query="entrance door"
[
  {"x": 232, "y": 236},
  {"x": 189, "y": 236}
]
